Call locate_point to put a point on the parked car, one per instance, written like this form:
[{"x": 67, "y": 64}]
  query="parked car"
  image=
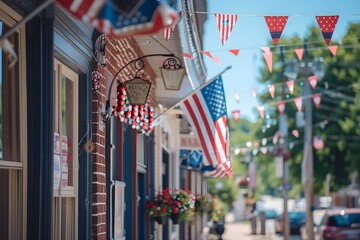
[
  {"x": 317, "y": 217},
  {"x": 340, "y": 224},
  {"x": 296, "y": 220}
]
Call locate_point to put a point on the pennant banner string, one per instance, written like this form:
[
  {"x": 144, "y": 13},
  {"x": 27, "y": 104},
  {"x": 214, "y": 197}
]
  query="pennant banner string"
[{"x": 262, "y": 15}]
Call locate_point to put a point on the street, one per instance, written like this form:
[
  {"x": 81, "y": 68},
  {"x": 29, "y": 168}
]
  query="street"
[{"x": 241, "y": 231}]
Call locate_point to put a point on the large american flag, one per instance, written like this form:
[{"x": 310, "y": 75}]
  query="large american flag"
[
  {"x": 123, "y": 18},
  {"x": 225, "y": 23},
  {"x": 205, "y": 109}
]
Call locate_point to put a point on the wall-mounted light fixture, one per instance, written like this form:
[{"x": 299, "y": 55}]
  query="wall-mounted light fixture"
[{"x": 172, "y": 73}]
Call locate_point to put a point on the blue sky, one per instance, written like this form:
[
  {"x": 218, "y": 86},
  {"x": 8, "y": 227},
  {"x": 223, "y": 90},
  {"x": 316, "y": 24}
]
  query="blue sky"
[{"x": 251, "y": 32}]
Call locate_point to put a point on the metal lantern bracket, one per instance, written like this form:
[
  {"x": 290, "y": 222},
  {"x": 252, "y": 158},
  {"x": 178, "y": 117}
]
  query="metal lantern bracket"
[{"x": 139, "y": 65}]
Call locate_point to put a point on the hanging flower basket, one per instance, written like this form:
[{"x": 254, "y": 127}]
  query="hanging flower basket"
[{"x": 175, "y": 218}]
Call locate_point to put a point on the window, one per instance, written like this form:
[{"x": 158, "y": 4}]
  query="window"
[
  {"x": 65, "y": 152},
  {"x": 12, "y": 132}
]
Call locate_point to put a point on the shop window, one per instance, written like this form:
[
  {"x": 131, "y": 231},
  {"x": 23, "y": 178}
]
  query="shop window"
[
  {"x": 12, "y": 132},
  {"x": 65, "y": 152}
]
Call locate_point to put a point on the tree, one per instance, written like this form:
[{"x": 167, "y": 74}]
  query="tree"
[{"x": 337, "y": 120}]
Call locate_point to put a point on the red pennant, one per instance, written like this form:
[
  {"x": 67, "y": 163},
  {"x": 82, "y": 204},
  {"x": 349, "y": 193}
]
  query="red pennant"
[
  {"x": 318, "y": 142},
  {"x": 215, "y": 58},
  {"x": 290, "y": 85},
  {"x": 298, "y": 103},
  {"x": 207, "y": 53},
  {"x": 268, "y": 57},
  {"x": 225, "y": 23},
  {"x": 317, "y": 99},
  {"x": 271, "y": 88},
  {"x": 333, "y": 49},
  {"x": 327, "y": 26},
  {"x": 299, "y": 52},
  {"x": 295, "y": 133},
  {"x": 236, "y": 115},
  {"x": 253, "y": 91},
  {"x": 261, "y": 111},
  {"x": 234, "y": 51},
  {"x": 276, "y": 25},
  {"x": 281, "y": 107},
  {"x": 187, "y": 55},
  {"x": 313, "y": 81}
]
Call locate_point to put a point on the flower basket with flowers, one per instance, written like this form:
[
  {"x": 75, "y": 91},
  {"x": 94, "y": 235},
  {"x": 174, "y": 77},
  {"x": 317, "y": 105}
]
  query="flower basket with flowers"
[
  {"x": 159, "y": 208},
  {"x": 203, "y": 203},
  {"x": 182, "y": 207}
]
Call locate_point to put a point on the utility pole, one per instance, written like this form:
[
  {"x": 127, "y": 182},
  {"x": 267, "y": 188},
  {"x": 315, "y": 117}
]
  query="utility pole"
[
  {"x": 308, "y": 154},
  {"x": 283, "y": 126}
]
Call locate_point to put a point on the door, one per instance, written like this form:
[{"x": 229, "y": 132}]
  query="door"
[{"x": 65, "y": 152}]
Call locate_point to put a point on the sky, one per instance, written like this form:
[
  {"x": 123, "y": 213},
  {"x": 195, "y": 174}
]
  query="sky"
[{"x": 251, "y": 32}]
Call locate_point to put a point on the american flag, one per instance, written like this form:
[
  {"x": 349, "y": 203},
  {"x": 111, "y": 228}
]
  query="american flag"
[
  {"x": 123, "y": 18},
  {"x": 327, "y": 26},
  {"x": 276, "y": 25},
  {"x": 220, "y": 171},
  {"x": 206, "y": 111},
  {"x": 225, "y": 23}
]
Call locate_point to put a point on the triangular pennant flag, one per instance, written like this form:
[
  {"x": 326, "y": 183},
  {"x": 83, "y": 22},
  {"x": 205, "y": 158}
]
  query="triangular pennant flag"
[
  {"x": 187, "y": 55},
  {"x": 327, "y": 26},
  {"x": 295, "y": 133},
  {"x": 299, "y": 52},
  {"x": 317, "y": 99},
  {"x": 276, "y": 25},
  {"x": 253, "y": 91},
  {"x": 318, "y": 142},
  {"x": 207, "y": 53},
  {"x": 313, "y": 81},
  {"x": 234, "y": 51},
  {"x": 261, "y": 111},
  {"x": 268, "y": 57},
  {"x": 298, "y": 103},
  {"x": 225, "y": 23},
  {"x": 216, "y": 59},
  {"x": 271, "y": 88},
  {"x": 281, "y": 106},
  {"x": 333, "y": 49},
  {"x": 290, "y": 85},
  {"x": 168, "y": 31},
  {"x": 236, "y": 115}
]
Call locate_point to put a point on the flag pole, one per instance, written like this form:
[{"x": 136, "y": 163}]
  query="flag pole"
[
  {"x": 195, "y": 91},
  {"x": 26, "y": 19}
]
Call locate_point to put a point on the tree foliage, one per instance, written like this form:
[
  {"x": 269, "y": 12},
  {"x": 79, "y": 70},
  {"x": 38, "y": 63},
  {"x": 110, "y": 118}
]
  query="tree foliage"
[{"x": 337, "y": 120}]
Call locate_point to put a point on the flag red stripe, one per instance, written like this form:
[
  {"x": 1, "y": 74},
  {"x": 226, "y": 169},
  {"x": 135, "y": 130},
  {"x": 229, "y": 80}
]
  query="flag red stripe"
[{"x": 206, "y": 150}]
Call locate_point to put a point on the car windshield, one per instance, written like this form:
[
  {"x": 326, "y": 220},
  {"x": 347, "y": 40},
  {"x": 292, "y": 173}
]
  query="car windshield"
[{"x": 345, "y": 220}]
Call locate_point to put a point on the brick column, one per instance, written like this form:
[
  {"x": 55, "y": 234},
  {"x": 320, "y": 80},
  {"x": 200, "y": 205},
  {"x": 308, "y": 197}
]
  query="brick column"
[{"x": 98, "y": 164}]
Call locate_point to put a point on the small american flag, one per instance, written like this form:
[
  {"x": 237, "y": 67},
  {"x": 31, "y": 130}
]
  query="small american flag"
[
  {"x": 168, "y": 31},
  {"x": 225, "y": 23},
  {"x": 206, "y": 111},
  {"x": 123, "y": 18},
  {"x": 327, "y": 26},
  {"x": 276, "y": 25}
]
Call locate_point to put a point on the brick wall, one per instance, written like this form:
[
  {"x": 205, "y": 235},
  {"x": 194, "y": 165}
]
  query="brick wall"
[{"x": 119, "y": 51}]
